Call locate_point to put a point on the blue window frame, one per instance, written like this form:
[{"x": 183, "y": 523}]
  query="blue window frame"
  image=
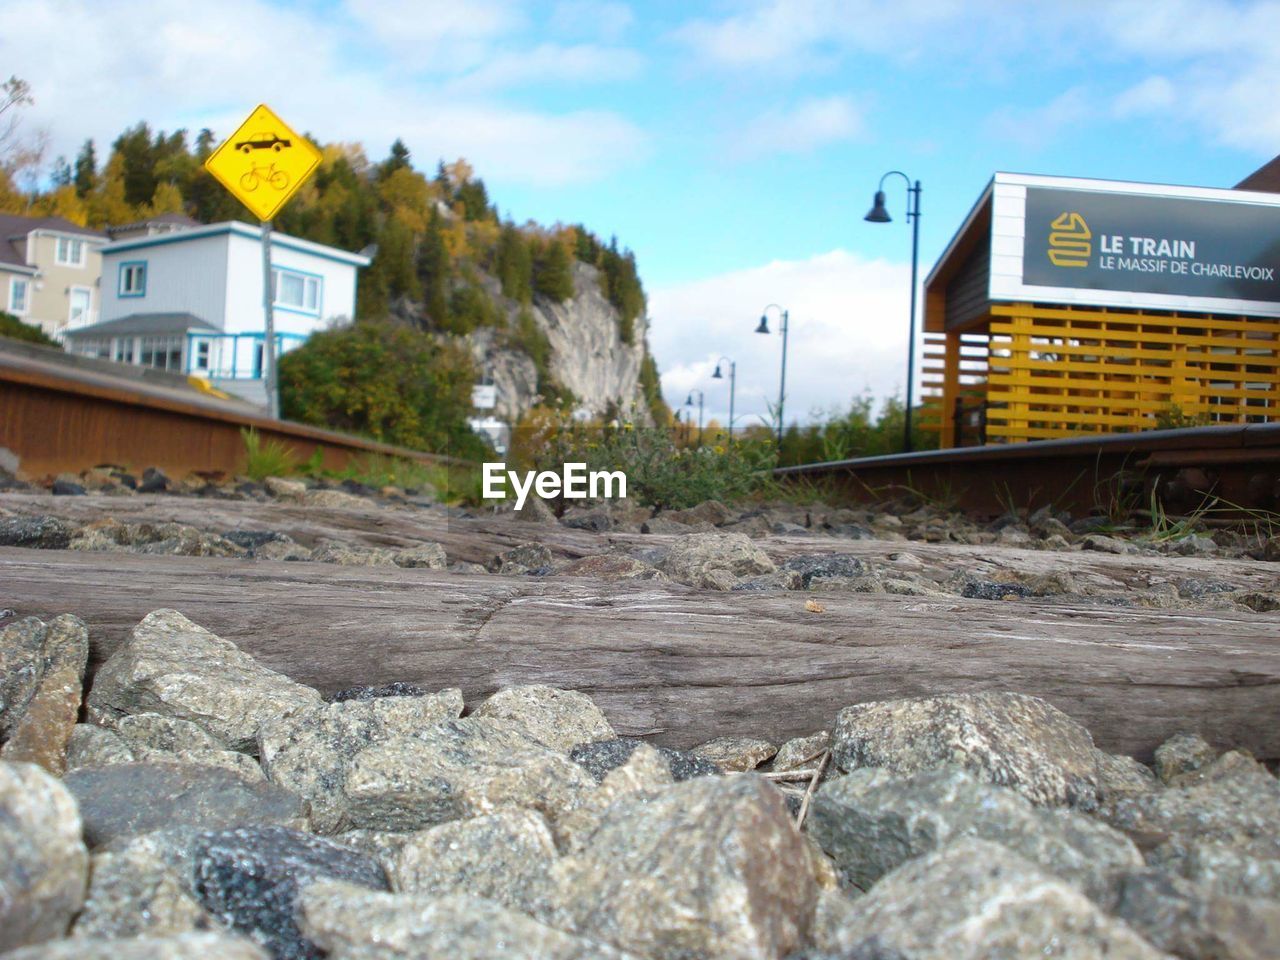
[{"x": 133, "y": 279}]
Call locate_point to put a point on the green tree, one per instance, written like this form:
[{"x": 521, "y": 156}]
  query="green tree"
[
  {"x": 553, "y": 272},
  {"x": 435, "y": 271},
  {"x": 513, "y": 264},
  {"x": 86, "y": 170},
  {"x": 398, "y": 159},
  {"x": 475, "y": 200},
  {"x": 385, "y": 381},
  {"x": 17, "y": 329},
  {"x": 396, "y": 260}
]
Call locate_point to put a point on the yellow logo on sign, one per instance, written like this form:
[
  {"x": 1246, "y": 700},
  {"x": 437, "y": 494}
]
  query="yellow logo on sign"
[
  {"x": 1070, "y": 241},
  {"x": 263, "y": 163}
]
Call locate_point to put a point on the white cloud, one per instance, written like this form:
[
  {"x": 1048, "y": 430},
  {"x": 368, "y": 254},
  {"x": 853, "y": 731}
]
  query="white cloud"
[
  {"x": 592, "y": 18},
  {"x": 1041, "y": 126},
  {"x": 550, "y": 62},
  {"x": 848, "y": 333},
  {"x": 812, "y": 123},
  {"x": 195, "y": 66},
  {"x": 1150, "y": 96},
  {"x": 436, "y": 36}
]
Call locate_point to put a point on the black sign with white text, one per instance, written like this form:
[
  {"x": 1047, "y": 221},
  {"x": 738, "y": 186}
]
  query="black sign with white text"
[{"x": 1142, "y": 244}]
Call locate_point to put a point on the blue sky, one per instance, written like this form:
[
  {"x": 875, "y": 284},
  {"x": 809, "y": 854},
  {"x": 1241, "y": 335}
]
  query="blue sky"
[{"x": 733, "y": 146}]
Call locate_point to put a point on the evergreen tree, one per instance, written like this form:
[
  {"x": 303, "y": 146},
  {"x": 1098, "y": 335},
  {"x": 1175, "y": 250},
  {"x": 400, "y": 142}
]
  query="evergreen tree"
[
  {"x": 435, "y": 271},
  {"x": 553, "y": 272},
  {"x": 137, "y": 164},
  {"x": 86, "y": 169},
  {"x": 395, "y": 258},
  {"x": 398, "y": 160},
  {"x": 61, "y": 175},
  {"x": 475, "y": 200},
  {"x": 205, "y": 143},
  {"x": 513, "y": 264}
]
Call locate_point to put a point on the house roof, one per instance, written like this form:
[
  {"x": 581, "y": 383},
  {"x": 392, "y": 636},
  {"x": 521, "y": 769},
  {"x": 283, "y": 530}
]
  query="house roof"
[
  {"x": 143, "y": 324},
  {"x": 179, "y": 219},
  {"x": 13, "y": 227},
  {"x": 236, "y": 228},
  {"x": 1266, "y": 179}
]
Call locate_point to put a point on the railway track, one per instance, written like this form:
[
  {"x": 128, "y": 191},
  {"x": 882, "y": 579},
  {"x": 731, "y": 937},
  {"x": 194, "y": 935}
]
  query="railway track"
[{"x": 1236, "y": 466}]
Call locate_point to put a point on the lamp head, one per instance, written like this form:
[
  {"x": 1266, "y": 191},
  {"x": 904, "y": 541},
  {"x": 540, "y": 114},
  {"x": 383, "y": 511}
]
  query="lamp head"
[
  {"x": 717, "y": 375},
  {"x": 689, "y": 402},
  {"x": 764, "y": 325},
  {"x": 878, "y": 213}
]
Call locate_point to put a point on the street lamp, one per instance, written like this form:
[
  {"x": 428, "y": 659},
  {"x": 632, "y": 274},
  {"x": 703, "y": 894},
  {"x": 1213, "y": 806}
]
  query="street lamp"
[
  {"x": 689, "y": 403},
  {"x": 733, "y": 385},
  {"x": 878, "y": 214},
  {"x": 782, "y": 381}
]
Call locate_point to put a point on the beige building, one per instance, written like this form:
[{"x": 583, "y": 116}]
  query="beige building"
[{"x": 50, "y": 272}]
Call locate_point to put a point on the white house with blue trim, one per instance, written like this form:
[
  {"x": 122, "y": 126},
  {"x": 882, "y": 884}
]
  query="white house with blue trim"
[{"x": 190, "y": 300}]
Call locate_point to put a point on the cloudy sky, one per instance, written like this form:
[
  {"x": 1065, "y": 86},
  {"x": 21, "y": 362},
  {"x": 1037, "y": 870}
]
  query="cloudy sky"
[{"x": 733, "y": 145}]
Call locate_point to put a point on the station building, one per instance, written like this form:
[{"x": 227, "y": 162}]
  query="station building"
[{"x": 1066, "y": 306}]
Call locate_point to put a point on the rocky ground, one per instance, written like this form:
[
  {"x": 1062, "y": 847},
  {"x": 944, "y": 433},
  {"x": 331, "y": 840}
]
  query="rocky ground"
[{"x": 181, "y": 799}]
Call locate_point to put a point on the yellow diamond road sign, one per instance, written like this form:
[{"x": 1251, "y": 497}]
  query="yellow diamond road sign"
[{"x": 263, "y": 163}]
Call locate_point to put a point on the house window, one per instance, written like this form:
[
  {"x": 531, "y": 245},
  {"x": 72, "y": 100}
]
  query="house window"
[
  {"x": 93, "y": 348},
  {"x": 70, "y": 252},
  {"x": 203, "y": 348},
  {"x": 19, "y": 295},
  {"x": 124, "y": 350},
  {"x": 163, "y": 353},
  {"x": 133, "y": 279},
  {"x": 296, "y": 291}
]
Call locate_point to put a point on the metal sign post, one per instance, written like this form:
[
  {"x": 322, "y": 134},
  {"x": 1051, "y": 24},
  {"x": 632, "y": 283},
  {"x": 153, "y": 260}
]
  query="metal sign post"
[
  {"x": 263, "y": 164},
  {"x": 268, "y": 313}
]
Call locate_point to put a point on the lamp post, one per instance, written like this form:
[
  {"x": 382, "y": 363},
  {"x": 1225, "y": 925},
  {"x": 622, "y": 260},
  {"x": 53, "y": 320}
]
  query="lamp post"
[
  {"x": 782, "y": 381},
  {"x": 878, "y": 214},
  {"x": 733, "y": 386},
  {"x": 689, "y": 403}
]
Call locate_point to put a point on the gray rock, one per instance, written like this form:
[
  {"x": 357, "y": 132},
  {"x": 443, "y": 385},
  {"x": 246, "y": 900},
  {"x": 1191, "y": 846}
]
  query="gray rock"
[
  {"x": 182, "y": 946},
  {"x": 310, "y": 750},
  {"x": 523, "y": 559},
  {"x": 37, "y": 731},
  {"x": 824, "y": 566},
  {"x": 155, "y": 731},
  {"x": 1122, "y": 776},
  {"x": 974, "y": 900},
  {"x": 345, "y": 555},
  {"x": 357, "y": 924},
  {"x": 428, "y": 556},
  {"x": 126, "y": 799},
  {"x": 834, "y": 911},
  {"x": 560, "y": 719},
  {"x": 802, "y": 753},
  {"x": 41, "y": 533},
  {"x": 535, "y": 510},
  {"x": 714, "y": 561},
  {"x": 165, "y": 539},
  {"x": 736, "y": 754},
  {"x": 1005, "y": 738},
  {"x": 457, "y": 769},
  {"x": 43, "y": 861},
  {"x": 601, "y": 757},
  {"x": 711, "y": 867},
  {"x": 1232, "y": 764},
  {"x": 1186, "y": 920},
  {"x": 174, "y": 667},
  {"x": 21, "y": 664},
  {"x": 870, "y": 822},
  {"x": 505, "y": 857},
  {"x": 1104, "y": 544},
  {"x": 665, "y": 524},
  {"x": 93, "y": 746},
  {"x": 336, "y": 499},
  {"x": 1251, "y": 871},
  {"x": 644, "y": 775},
  {"x": 250, "y": 879},
  {"x": 397, "y": 688},
  {"x": 67, "y": 488},
  {"x": 1182, "y": 753},
  {"x": 142, "y": 886},
  {"x": 708, "y": 511},
  {"x": 613, "y": 567},
  {"x": 383, "y": 845},
  {"x": 285, "y": 489}
]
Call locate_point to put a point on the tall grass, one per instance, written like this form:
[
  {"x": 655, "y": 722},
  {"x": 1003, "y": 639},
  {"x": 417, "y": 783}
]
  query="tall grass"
[{"x": 267, "y": 458}]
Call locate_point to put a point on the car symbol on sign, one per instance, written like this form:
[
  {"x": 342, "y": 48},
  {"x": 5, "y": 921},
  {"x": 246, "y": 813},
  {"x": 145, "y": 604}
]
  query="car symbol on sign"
[{"x": 263, "y": 141}]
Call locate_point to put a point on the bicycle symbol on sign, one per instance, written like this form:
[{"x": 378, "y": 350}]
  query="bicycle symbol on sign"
[{"x": 276, "y": 179}]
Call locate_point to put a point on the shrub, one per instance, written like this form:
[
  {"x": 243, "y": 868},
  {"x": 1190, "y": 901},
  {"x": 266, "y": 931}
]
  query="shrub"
[
  {"x": 273, "y": 458},
  {"x": 16, "y": 329},
  {"x": 385, "y": 381}
]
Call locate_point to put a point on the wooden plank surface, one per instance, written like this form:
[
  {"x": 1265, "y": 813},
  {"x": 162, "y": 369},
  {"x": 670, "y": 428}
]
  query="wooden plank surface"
[{"x": 681, "y": 665}]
